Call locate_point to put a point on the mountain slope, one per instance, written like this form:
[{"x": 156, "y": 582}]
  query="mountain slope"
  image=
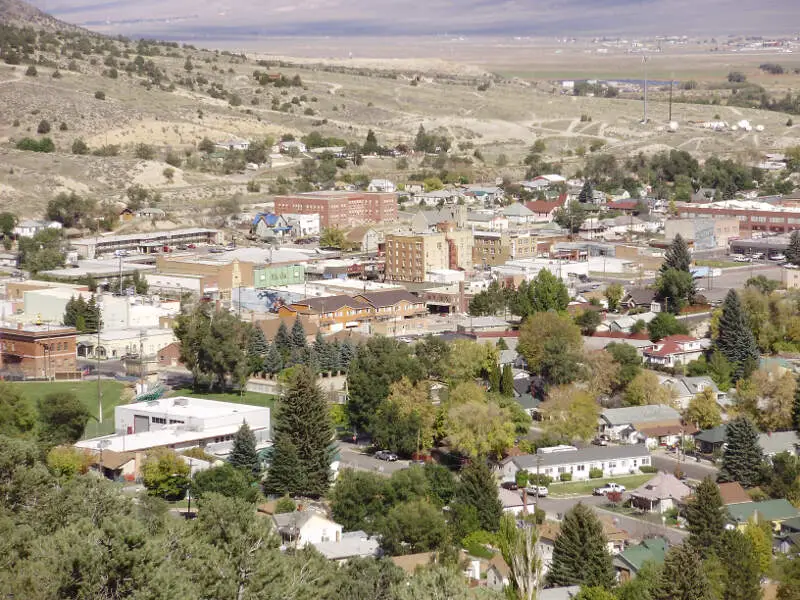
[{"x": 17, "y": 12}]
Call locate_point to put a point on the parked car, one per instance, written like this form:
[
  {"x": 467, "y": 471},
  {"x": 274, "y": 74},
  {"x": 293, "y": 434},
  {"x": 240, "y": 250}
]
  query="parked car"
[
  {"x": 191, "y": 246},
  {"x": 537, "y": 490},
  {"x": 600, "y": 441},
  {"x": 740, "y": 258},
  {"x": 777, "y": 257},
  {"x": 509, "y": 485},
  {"x": 609, "y": 487},
  {"x": 386, "y": 455},
  {"x": 757, "y": 256}
]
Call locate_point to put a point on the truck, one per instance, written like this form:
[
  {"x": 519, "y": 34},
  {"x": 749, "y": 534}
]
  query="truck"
[{"x": 609, "y": 487}]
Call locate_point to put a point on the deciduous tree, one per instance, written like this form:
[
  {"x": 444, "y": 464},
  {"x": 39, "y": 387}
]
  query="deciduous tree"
[
  {"x": 165, "y": 474},
  {"x": 63, "y": 418},
  {"x": 571, "y": 413},
  {"x": 480, "y": 428},
  {"x": 404, "y": 421},
  {"x": 518, "y": 547},
  {"x": 544, "y": 327},
  {"x": 703, "y": 410}
]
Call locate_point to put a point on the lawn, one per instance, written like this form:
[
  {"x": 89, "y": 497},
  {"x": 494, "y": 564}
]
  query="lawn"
[
  {"x": 718, "y": 264},
  {"x": 585, "y": 487},
  {"x": 253, "y": 398},
  {"x": 112, "y": 393}
]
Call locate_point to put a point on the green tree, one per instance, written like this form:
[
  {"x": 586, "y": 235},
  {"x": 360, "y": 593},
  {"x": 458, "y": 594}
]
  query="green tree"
[
  {"x": 206, "y": 146},
  {"x": 18, "y": 417},
  {"x": 303, "y": 420},
  {"x": 518, "y": 548},
  {"x": 66, "y": 462},
  {"x": 683, "y": 577},
  {"x": 792, "y": 251},
  {"x": 333, "y": 237},
  {"x": 588, "y": 320},
  {"x": 663, "y": 325},
  {"x": 165, "y": 474},
  {"x": 703, "y": 410},
  {"x": 507, "y": 382},
  {"x": 414, "y": 526},
  {"x": 226, "y": 480},
  {"x": 480, "y": 428},
  {"x": 629, "y": 361},
  {"x": 358, "y": 500},
  {"x": 705, "y": 517},
  {"x": 643, "y": 586},
  {"x": 547, "y": 292},
  {"x": 735, "y": 340},
  {"x": 646, "y": 389},
  {"x": 741, "y": 459},
  {"x": 614, "y": 294},
  {"x": 571, "y": 217},
  {"x": 587, "y": 193},
  {"x": 789, "y": 577},
  {"x": 742, "y": 577},
  {"x": 720, "y": 370},
  {"x": 595, "y": 593},
  {"x": 580, "y": 554},
  {"x": 541, "y": 328},
  {"x": 677, "y": 256},
  {"x": 760, "y": 536},
  {"x": 675, "y": 288},
  {"x": 63, "y": 418},
  {"x": 571, "y": 413},
  {"x": 8, "y": 221},
  {"x": 478, "y": 489},
  {"x": 243, "y": 456},
  {"x": 781, "y": 477},
  {"x": 370, "y": 144},
  {"x": 404, "y": 422}
]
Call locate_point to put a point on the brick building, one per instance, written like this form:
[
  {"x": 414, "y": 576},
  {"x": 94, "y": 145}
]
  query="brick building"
[
  {"x": 412, "y": 257},
  {"x": 37, "y": 351},
  {"x": 752, "y": 215},
  {"x": 341, "y": 209},
  {"x": 492, "y": 248}
]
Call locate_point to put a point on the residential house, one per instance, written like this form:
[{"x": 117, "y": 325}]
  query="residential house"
[
  {"x": 233, "y": 144},
  {"x": 628, "y": 563},
  {"x": 519, "y": 214},
  {"x": 301, "y": 528},
  {"x": 330, "y": 313},
  {"x": 512, "y": 501},
  {"x": 788, "y": 540},
  {"x": 733, "y": 493},
  {"x": 364, "y": 238},
  {"x": 525, "y": 397},
  {"x": 116, "y": 466},
  {"x": 775, "y": 442},
  {"x": 353, "y": 544},
  {"x": 772, "y": 511},
  {"x": 270, "y": 226},
  {"x": 381, "y": 185},
  {"x": 392, "y": 304},
  {"x": 543, "y": 182},
  {"x": 661, "y": 494},
  {"x": 641, "y": 298},
  {"x": 685, "y": 388},
  {"x": 126, "y": 215},
  {"x": 440, "y": 198},
  {"x": 612, "y": 460},
  {"x": 710, "y": 441},
  {"x": 289, "y": 146},
  {"x": 673, "y": 350},
  {"x": 497, "y": 573},
  {"x": 9, "y": 259},
  {"x": 544, "y": 211},
  {"x": 303, "y": 225},
  {"x": 625, "y": 206},
  {"x": 486, "y": 220},
  {"x": 626, "y": 323},
  {"x": 29, "y": 227},
  {"x": 621, "y": 424},
  {"x": 487, "y": 195},
  {"x": 151, "y": 213}
]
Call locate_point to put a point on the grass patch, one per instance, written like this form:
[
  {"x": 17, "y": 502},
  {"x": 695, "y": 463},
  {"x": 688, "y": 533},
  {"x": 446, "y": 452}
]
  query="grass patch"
[
  {"x": 112, "y": 393},
  {"x": 718, "y": 264},
  {"x": 254, "y": 398},
  {"x": 585, "y": 487}
]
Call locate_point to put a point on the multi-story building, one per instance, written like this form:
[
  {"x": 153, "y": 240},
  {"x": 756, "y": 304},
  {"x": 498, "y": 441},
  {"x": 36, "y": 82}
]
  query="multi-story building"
[
  {"x": 37, "y": 351},
  {"x": 145, "y": 242},
  {"x": 341, "y": 209},
  {"x": 706, "y": 234},
  {"x": 492, "y": 248},
  {"x": 752, "y": 215},
  {"x": 228, "y": 274},
  {"x": 278, "y": 276},
  {"x": 410, "y": 257}
]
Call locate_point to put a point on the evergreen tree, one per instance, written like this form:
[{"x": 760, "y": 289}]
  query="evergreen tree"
[
  {"x": 302, "y": 421},
  {"x": 742, "y": 458},
  {"x": 322, "y": 354},
  {"x": 580, "y": 553},
  {"x": 283, "y": 342},
  {"x": 297, "y": 338},
  {"x": 273, "y": 361},
  {"x": 677, "y": 256},
  {"x": 335, "y": 353},
  {"x": 92, "y": 318},
  {"x": 683, "y": 577},
  {"x": 370, "y": 144},
  {"x": 70, "y": 313},
  {"x": 741, "y": 578},
  {"x": 494, "y": 378},
  {"x": 792, "y": 251},
  {"x": 507, "y": 382},
  {"x": 478, "y": 489},
  {"x": 285, "y": 475},
  {"x": 735, "y": 340},
  {"x": 587, "y": 193},
  {"x": 346, "y": 353},
  {"x": 705, "y": 517},
  {"x": 244, "y": 456},
  {"x": 256, "y": 350},
  {"x": 796, "y": 408}
]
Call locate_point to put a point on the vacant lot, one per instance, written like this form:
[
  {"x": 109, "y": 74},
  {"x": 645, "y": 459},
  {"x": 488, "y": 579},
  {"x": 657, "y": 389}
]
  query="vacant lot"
[{"x": 247, "y": 398}]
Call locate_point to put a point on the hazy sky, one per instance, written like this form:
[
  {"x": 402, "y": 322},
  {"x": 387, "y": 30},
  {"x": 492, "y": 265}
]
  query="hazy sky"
[{"x": 182, "y": 19}]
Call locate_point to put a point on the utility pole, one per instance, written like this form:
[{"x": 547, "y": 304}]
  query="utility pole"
[{"x": 97, "y": 374}]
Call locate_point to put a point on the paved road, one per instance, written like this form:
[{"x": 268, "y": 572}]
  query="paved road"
[
  {"x": 736, "y": 278},
  {"x": 689, "y": 466},
  {"x": 354, "y": 457}
]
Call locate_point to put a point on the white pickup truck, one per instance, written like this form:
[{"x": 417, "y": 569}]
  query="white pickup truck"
[{"x": 609, "y": 487}]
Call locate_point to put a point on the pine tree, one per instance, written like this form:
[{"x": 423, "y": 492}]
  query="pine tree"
[
  {"x": 792, "y": 251},
  {"x": 92, "y": 318},
  {"x": 742, "y": 576},
  {"x": 796, "y": 408},
  {"x": 580, "y": 554},
  {"x": 346, "y": 354},
  {"x": 683, "y": 577},
  {"x": 297, "y": 338},
  {"x": 705, "y": 517},
  {"x": 70, "y": 313},
  {"x": 587, "y": 193},
  {"x": 742, "y": 458},
  {"x": 735, "y": 340},
  {"x": 244, "y": 456},
  {"x": 273, "y": 361},
  {"x": 285, "y": 472},
  {"x": 478, "y": 489},
  {"x": 303, "y": 421},
  {"x": 507, "y": 382},
  {"x": 322, "y": 354},
  {"x": 282, "y": 341},
  {"x": 494, "y": 378},
  {"x": 256, "y": 350},
  {"x": 677, "y": 256}
]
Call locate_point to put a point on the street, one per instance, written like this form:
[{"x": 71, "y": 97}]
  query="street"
[
  {"x": 692, "y": 468},
  {"x": 354, "y": 458}
]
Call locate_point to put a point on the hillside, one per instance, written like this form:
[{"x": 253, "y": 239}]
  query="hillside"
[{"x": 19, "y": 13}]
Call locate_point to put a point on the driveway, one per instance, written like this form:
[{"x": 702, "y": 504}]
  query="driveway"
[{"x": 355, "y": 457}]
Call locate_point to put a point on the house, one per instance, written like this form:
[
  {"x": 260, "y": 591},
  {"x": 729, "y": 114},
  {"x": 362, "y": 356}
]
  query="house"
[
  {"x": 427, "y": 220},
  {"x": 711, "y": 440},
  {"x": 628, "y": 563},
  {"x": 488, "y": 195},
  {"x": 733, "y": 493},
  {"x": 364, "y": 238},
  {"x": 381, "y": 185},
  {"x": 773, "y": 511},
  {"x": 440, "y": 198},
  {"x": 29, "y": 227},
  {"x": 543, "y": 182},
  {"x": 620, "y": 424},
  {"x": 126, "y": 215},
  {"x": 149, "y": 212},
  {"x": 626, "y": 323},
  {"x": 269, "y": 225},
  {"x": 612, "y": 460},
  {"x": 641, "y": 298},
  {"x": 775, "y": 442},
  {"x": 114, "y": 465},
  {"x": 519, "y": 214},
  {"x": 392, "y": 304},
  {"x": 686, "y": 388},
  {"x": 788, "y": 540},
  {"x": 233, "y": 144},
  {"x": 673, "y": 350},
  {"x": 290, "y": 146},
  {"x": 301, "y": 528},
  {"x": 661, "y": 494},
  {"x": 8, "y": 259},
  {"x": 303, "y": 225},
  {"x": 353, "y": 544},
  {"x": 487, "y": 221},
  {"x": 497, "y": 573},
  {"x": 512, "y": 501},
  {"x": 544, "y": 211}
]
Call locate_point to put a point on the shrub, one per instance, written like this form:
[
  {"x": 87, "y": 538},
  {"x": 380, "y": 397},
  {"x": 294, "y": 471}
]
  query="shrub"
[
  {"x": 614, "y": 497},
  {"x": 44, "y": 126},
  {"x": 31, "y": 71},
  {"x": 595, "y": 473},
  {"x": 789, "y": 122},
  {"x": 253, "y": 186},
  {"x": 63, "y": 126},
  {"x": 285, "y": 505},
  {"x": 80, "y": 147},
  {"x": 534, "y": 479},
  {"x": 144, "y": 152},
  {"x": 565, "y": 477},
  {"x": 173, "y": 159},
  {"x": 648, "y": 469},
  {"x": 169, "y": 174},
  {"x": 56, "y": 74},
  {"x": 43, "y": 145},
  {"x": 100, "y": 95}
]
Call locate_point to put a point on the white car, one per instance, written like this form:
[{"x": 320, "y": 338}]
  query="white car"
[
  {"x": 607, "y": 488},
  {"x": 537, "y": 490},
  {"x": 757, "y": 256},
  {"x": 740, "y": 258},
  {"x": 777, "y": 257}
]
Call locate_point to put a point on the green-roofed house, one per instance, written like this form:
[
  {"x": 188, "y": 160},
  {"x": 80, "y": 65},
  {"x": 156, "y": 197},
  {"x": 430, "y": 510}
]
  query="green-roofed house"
[
  {"x": 774, "y": 511},
  {"x": 628, "y": 562},
  {"x": 788, "y": 541},
  {"x": 709, "y": 440}
]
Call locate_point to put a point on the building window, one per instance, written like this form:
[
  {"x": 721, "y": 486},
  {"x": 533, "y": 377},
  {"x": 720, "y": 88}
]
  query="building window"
[
  {"x": 562, "y": 469},
  {"x": 159, "y": 420},
  {"x": 175, "y": 421},
  {"x": 646, "y": 461},
  {"x": 580, "y": 468},
  {"x": 612, "y": 465}
]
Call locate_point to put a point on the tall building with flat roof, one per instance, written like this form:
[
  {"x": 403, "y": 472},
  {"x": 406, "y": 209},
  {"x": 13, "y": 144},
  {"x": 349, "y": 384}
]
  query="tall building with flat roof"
[
  {"x": 37, "y": 351},
  {"x": 341, "y": 209}
]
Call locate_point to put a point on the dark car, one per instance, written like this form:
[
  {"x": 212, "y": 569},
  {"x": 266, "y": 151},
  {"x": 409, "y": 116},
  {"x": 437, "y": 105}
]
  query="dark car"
[
  {"x": 509, "y": 485},
  {"x": 386, "y": 455}
]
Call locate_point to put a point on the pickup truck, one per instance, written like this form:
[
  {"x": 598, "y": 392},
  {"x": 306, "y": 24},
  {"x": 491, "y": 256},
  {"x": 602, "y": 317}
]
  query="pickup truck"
[{"x": 609, "y": 487}]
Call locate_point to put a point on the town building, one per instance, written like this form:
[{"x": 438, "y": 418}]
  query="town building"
[
  {"x": 90, "y": 247},
  {"x": 271, "y": 276},
  {"x": 544, "y": 211},
  {"x": 704, "y": 233},
  {"x": 269, "y": 226},
  {"x": 426, "y": 221},
  {"x": 364, "y": 239},
  {"x": 629, "y": 562},
  {"x": 303, "y": 226},
  {"x": 487, "y": 221},
  {"x": 27, "y": 228},
  {"x": 31, "y": 351},
  {"x": 790, "y": 277},
  {"x": 528, "y": 268},
  {"x": 341, "y": 209},
  {"x": 661, "y": 494},
  {"x": 124, "y": 343},
  {"x": 753, "y": 216},
  {"x": 611, "y": 460},
  {"x": 180, "y": 423},
  {"x": 493, "y": 248},
  {"x": 412, "y": 257},
  {"x": 519, "y": 214},
  {"x": 382, "y": 185},
  {"x": 624, "y": 424},
  {"x": 673, "y": 350},
  {"x": 306, "y": 527}
]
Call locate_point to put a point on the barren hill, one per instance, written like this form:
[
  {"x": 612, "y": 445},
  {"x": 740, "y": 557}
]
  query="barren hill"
[{"x": 19, "y": 13}]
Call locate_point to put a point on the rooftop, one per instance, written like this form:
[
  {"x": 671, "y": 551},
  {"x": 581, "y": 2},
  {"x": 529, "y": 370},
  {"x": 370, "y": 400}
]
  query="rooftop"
[
  {"x": 778, "y": 441},
  {"x": 354, "y": 543},
  {"x": 154, "y": 439},
  {"x": 663, "y": 485},
  {"x": 769, "y": 510},
  {"x": 733, "y": 493},
  {"x": 639, "y": 414},
  {"x": 590, "y": 454},
  {"x": 649, "y": 550},
  {"x": 199, "y": 408},
  {"x": 132, "y": 237}
]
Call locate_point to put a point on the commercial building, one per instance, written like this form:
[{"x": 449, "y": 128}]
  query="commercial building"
[
  {"x": 119, "y": 343},
  {"x": 180, "y": 423},
  {"x": 90, "y": 247},
  {"x": 492, "y": 248},
  {"x": 341, "y": 209},
  {"x": 228, "y": 274},
  {"x": 37, "y": 351},
  {"x": 705, "y": 233},
  {"x": 278, "y": 276},
  {"x": 412, "y": 257},
  {"x": 753, "y": 216},
  {"x": 527, "y": 269}
]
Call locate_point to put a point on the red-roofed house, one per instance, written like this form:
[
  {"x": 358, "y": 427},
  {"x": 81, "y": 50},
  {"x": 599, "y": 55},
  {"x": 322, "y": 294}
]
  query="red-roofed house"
[
  {"x": 672, "y": 350},
  {"x": 626, "y": 206},
  {"x": 544, "y": 211}
]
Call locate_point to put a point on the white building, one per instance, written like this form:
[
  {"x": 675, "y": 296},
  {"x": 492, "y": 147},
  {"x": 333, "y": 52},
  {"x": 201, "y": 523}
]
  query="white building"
[
  {"x": 119, "y": 343},
  {"x": 530, "y": 267},
  {"x": 233, "y": 144},
  {"x": 139, "y": 312},
  {"x": 673, "y": 350},
  {"x": 622, "y": 424},
  {"x": 302, "y": 225},
  {"x": 29, "y": 228},
  {"x": 353, "y": 544},
  {"x": 612, "y": 460},
  {"x": 306, "y": 527},
  {"x": 381, "y": 185},
  {"x": 182, "y": 422},
  {"x": 519, "y": 214}
]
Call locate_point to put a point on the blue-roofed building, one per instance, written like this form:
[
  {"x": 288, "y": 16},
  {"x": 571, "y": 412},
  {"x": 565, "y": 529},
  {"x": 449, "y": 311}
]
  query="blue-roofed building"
[{"x": 269, "y": 225}]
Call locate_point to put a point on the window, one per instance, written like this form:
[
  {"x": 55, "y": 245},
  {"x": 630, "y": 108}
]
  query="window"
[
  {"x": 580, "y": 468},
  {"x": 175, "y": 421},
  {"x": 612, "y": 465},
  {"x": 159, "y": 420},
  {"x": 646, "y": 461},
  {"x": 562, "y": 469}
]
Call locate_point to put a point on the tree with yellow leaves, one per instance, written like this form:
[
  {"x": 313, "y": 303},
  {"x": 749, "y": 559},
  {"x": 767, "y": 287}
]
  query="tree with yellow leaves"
[{"x": 571, "y": 413}]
